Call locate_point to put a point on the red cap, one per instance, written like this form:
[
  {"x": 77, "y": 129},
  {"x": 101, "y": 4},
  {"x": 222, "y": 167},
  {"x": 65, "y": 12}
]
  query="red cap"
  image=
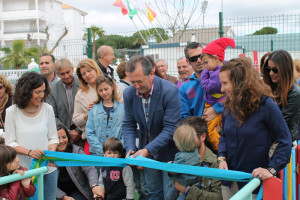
[{"x": 217, "y": 47}]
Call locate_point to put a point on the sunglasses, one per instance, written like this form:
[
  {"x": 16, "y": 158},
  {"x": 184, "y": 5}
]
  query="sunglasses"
[
  {"x": 269, "y": 69},
  {"x": 194, "y": 58}
]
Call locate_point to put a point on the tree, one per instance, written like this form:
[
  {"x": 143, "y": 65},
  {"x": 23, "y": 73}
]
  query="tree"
[
  {"x": 137, "y": 39},
  {"x": 177, "y": 14},
  {"x": 266, "y": 30},
  {"x": 18, "y": 55},
  {"x": 44, "y": 47},
  {"x": 96, "y": 32}
]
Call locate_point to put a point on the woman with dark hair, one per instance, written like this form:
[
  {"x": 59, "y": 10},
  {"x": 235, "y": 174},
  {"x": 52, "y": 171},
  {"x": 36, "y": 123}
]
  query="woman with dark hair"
[
  {"x": 5, "y": 98},
  {"x": 279, "y": 75},
  {"x": 251, "y": 122},
  {"x": 78, "y": 183},
  {"x": 264, "y": 62},
  {"x": 30, "y": 125}
]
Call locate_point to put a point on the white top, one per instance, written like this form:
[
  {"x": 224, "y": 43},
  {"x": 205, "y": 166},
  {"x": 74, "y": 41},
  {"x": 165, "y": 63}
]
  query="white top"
[{"x": 36, "y": 132}]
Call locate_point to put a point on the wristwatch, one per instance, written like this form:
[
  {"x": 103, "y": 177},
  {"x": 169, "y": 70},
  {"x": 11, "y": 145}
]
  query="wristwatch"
[
  {"x": 272, "y": 170},
  {"x": 221, "y": 159}
]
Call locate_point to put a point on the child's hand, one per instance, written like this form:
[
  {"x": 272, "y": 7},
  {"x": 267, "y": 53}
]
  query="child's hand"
[
  {"x": 19, "y": 171},
  {"x": 170, "y": 162},
  {"x": 97, "y": 197},
  {"x": 98, "y": 192},
  {"x": 25, "y": 182}
]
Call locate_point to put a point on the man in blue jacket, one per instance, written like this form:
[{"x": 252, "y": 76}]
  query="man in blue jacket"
[
  {"x": 153, "y": 104},
  {"x": 191, "y": 92}
]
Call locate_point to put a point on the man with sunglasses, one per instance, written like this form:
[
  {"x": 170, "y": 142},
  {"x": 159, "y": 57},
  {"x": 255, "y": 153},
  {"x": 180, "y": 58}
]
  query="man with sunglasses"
[{"x": 191, "y": 92}]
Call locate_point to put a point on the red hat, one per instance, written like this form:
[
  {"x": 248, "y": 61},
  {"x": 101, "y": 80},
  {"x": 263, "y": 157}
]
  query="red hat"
[{"x": 217, "y": 47}]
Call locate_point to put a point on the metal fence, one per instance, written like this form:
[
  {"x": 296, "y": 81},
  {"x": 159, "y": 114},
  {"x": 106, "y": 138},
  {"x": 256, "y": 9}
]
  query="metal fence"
[{"x": 242, "y": 30}]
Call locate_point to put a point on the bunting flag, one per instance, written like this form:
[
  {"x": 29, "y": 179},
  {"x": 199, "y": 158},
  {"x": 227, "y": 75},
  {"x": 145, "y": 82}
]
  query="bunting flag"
[
  {"x": 132, "y": 10},
  {"x": 151, "y": 13},
  {"x": 120, "y": 4}
]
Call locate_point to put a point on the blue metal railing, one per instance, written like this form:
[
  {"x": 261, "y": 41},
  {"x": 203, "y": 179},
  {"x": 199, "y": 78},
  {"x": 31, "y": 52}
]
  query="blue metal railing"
[
  {"x": 246, "y": 192},
  {"x": 39, "y": 172}
]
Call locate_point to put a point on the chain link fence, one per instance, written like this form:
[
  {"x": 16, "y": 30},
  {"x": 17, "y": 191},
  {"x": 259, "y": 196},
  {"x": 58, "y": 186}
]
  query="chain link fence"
[{"x": 254, "y": 36}]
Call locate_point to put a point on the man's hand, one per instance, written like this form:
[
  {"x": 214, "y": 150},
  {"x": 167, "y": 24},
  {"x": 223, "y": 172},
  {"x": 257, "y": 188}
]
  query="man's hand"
[
  {"x": 75, "y": 135},
  {"x": 261, "y": 173},
  {"x": 209, "y": 114},
  {"x": 223, "y": 165},
  {"x": 142, "y": 152}
]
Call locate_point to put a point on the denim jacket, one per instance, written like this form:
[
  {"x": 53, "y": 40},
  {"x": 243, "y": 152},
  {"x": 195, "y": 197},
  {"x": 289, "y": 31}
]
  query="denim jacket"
[
  {"x": 186, "y": 158},
  {"x": 97, "y": 128}
]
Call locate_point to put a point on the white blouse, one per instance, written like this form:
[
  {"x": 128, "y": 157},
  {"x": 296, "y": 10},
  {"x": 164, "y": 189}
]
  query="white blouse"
[{"x": 36, "y": 132}]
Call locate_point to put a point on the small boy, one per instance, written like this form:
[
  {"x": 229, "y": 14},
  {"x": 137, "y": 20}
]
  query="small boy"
[
  {"x": 185, "y": 140},
  {"x": 117, "y": 182}
]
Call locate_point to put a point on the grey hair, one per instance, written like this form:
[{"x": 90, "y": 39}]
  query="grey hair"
[
  {"x": 181, "y": 58},
  {"x": 146, "y": 64},
  {"x": 166, "y": 63},
  {"x": 192, "y": 45}
]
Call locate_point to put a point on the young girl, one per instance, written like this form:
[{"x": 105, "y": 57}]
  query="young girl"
[
  {"x": 185, "y": 140},
  {"x": 212, "y": 58},
  {"x": 117, "y": 182},
  {"x": 106, "y": 117},
  {"x": 9, "y": 164}
]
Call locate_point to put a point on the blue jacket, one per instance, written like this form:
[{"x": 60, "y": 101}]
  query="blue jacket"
[
  {"x": 164, "y": 115},
  {"x": 247, "y": 147},
  {"x": 186, "y": 158},
  {"x": 192, "y": 99},
  {"x": 97, "y": 129}
]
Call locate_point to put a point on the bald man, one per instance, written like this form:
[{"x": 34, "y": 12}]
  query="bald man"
[{"x": 105, "y": 57}]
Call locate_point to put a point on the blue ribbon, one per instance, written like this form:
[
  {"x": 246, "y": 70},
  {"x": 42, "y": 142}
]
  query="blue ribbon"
[{"x": 71, "y": 159}]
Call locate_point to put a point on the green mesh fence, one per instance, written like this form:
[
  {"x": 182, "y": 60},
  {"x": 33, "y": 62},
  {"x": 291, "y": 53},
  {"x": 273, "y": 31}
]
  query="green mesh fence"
[{"x": 254, "y": 36}]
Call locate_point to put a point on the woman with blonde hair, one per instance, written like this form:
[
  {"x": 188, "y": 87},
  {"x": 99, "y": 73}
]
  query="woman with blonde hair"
[
  {"x": 87, "y": 73},
  {"x": 5, "y": 98},
  {"x": 251, "y": 123}
]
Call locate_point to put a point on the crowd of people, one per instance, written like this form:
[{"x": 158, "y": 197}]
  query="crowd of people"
[{"x": 216, "y": 114}]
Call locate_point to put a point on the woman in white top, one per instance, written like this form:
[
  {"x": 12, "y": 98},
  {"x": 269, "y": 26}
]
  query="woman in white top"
[{"x": 30, "y": 124}]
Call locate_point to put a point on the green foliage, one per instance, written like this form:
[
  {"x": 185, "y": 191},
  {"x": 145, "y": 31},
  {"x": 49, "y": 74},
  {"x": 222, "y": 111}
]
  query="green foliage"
[
  {"x": 138, "y": 39},
  {"x": 266, "y": 30},
  {"x": 18, "y": 55},
  {"x": 130, "y": 42}
]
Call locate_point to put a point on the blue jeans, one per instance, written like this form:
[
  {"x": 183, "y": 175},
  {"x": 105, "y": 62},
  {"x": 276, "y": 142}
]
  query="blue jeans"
[
  {"x": 140, "y": 183},
  {"x": 50, "y": 185},
  {"x": 173, "y": 194},
  {"x": 158, "y": 183}
]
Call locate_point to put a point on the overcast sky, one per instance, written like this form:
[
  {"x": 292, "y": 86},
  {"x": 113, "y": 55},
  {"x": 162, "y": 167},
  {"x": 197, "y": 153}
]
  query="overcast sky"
[{"x": 102, "y": 13}]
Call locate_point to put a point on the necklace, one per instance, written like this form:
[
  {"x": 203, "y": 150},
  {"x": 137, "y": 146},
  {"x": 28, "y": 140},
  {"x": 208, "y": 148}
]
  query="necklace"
[{"x": 31, "y": 111}]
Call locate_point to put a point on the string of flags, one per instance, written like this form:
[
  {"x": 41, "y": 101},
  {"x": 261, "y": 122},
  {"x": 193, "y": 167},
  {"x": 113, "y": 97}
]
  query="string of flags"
[{"x": 131, "y": 11}]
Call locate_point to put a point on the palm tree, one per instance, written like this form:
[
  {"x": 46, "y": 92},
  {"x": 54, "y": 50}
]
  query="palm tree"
[
  {"x": 96, "y": 32},
  {"x": 18, "y": 56}
]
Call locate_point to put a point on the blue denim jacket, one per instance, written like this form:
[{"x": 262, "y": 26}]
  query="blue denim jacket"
[
  {"x": 97, "y": 128},
  {"x": 186, "y": 158}
]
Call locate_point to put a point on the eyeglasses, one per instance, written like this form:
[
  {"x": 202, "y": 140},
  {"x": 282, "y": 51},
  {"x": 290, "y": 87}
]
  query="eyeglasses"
[
  {"x": 194, "y": 58},
  {"x": 269, "y": 69}
]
